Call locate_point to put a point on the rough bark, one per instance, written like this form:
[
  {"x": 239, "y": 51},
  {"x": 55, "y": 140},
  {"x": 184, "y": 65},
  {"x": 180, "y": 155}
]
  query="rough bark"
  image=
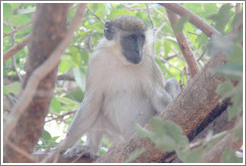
[
  {"x": 188, "y": 110},
  {"x": 49, "y": 28}
]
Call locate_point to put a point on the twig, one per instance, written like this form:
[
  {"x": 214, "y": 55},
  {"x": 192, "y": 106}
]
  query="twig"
[
  {"x": 18, "y": 29},
  {"x": 201, "y": 55},
  {"x": 94, "y": 14},
  {"x": 165, "y": 61},
  {"x": 171, "y": 57},
  {"x": 158, "y": 11},
  {"x": 193, "y": 18},
  {"x": 59, "y": 77},
  {"x": 193, "y": 33},
  {"x": 40, "y": 72},
  {"x": 13, "y": 50},
  {"x": 184, "y": 46},
  {"x": 153, "y": 28},
  {"x": 11, "y": 99},
  {"x": 162, "y": 25},
  {"x": 60, "y": 116},
  {"x": 13, "y": 60}
]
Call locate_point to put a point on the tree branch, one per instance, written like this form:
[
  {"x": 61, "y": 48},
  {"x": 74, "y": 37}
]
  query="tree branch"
[
  {"x": 183, "y": 45},
  {"x": 17, "y": 29},
  {"x": 17, "y": 47},
  {"x": 193, "y": 18}
]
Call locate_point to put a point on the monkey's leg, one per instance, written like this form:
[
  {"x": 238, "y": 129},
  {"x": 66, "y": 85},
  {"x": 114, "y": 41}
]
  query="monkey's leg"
[
  {"x": 172, "y": 87},
  {"x": 93, "y": 141}
]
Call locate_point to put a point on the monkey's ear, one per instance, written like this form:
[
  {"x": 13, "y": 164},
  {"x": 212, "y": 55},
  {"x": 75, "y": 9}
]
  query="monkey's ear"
[{"x": 108, "y": 30}]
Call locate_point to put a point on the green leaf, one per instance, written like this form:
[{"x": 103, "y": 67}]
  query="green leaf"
[
  {"x": 230, "y": 70},
  {"x": 68, "y": 104},
  {"x": 232, "y": 112},
  {"x": 229, "y": 156},
  {"x": 166, "y": 135},
  {"x": 180, "y": 24},
  {"x": 209, "y": 8},
  {"x": 167, "y": 47},
  {"x": 201, "y": 39},
  {"x": 7, "y": 11},
  {"x": 79, "y": 76},
  {"x": 102, "y": 151},
  {"x": 220, "y": 43},
  {"x": 46, "y": 135},
  {"x": 142, "y": 132},
  {"x": 14, "y": 88},
  {"x": 77, "y": 95},
  {"x": 236, "y": 57},
  {"x": 135, "y": 154},
  {"x": 18, "y": 20},
  {"x": 26, "y": 11},
  {"x": 170, "y": 134},
  {"x": 239, "y": 133},
  {"x": 238, "y": 17},
  {"x": 5, "y": 91},
  {"x": 6, "y": 29},
  {"x": 55, "y": 105},
  {"x": 191, "y": 156},
  {"x": 67, "y": 101},
  {"x": 224, "y": 88},
  {"x": 64, "y": 66},
  {"x": 223, "y": 17}
]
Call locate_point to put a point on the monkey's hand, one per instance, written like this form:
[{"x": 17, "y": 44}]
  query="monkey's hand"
[{"x": 79, "y": 151}]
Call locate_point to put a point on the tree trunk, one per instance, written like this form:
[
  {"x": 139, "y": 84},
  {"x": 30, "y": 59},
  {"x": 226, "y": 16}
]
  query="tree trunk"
[{"x": 49, "y": 28}]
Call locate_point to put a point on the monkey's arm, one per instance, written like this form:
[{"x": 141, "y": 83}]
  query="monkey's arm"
[
  {"x": 87, "y": 113},
  {"x": 85, "y": 117},
  {"x": 163, "y": 92}
]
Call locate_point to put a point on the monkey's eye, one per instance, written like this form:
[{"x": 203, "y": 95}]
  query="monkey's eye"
[
  {"x": 133, "y": 37},
  {"x": 141, "y": 37}
]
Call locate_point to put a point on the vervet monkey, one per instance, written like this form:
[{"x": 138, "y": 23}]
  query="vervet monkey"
[{"x": 124, "y": 85}]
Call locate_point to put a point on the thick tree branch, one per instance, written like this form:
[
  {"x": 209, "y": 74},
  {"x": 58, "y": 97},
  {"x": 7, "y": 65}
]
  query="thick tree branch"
[
  {"x": 183, "y": 45},
  {"x": 193, "y": 18},
  {"x": 43, "y": 70},
  {"x": 17, "y": 47}
]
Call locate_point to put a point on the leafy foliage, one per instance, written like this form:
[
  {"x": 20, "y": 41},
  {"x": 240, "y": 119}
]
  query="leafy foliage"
[{"x": 167, "y": 136}]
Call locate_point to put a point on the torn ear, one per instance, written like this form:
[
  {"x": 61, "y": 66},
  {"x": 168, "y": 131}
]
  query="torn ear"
[{"x": 108, "y": 30}]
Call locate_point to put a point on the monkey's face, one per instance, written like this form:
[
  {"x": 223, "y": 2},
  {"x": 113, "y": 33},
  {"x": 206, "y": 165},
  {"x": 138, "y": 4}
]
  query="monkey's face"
[
  {"x": 132, "y": 47},
  {"x": 130, "y": 32}
]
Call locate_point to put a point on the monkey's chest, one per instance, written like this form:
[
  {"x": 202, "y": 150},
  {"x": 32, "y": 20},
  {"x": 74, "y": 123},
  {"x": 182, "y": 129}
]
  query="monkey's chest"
[{"x": 125, "y": 106}]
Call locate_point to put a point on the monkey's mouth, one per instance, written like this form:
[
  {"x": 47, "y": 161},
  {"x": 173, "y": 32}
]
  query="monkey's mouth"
[{"x": 134, "y": 59}]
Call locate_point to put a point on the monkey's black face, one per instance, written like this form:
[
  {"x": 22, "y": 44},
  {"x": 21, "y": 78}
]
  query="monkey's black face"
[{"x": 132, "y": 47}]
